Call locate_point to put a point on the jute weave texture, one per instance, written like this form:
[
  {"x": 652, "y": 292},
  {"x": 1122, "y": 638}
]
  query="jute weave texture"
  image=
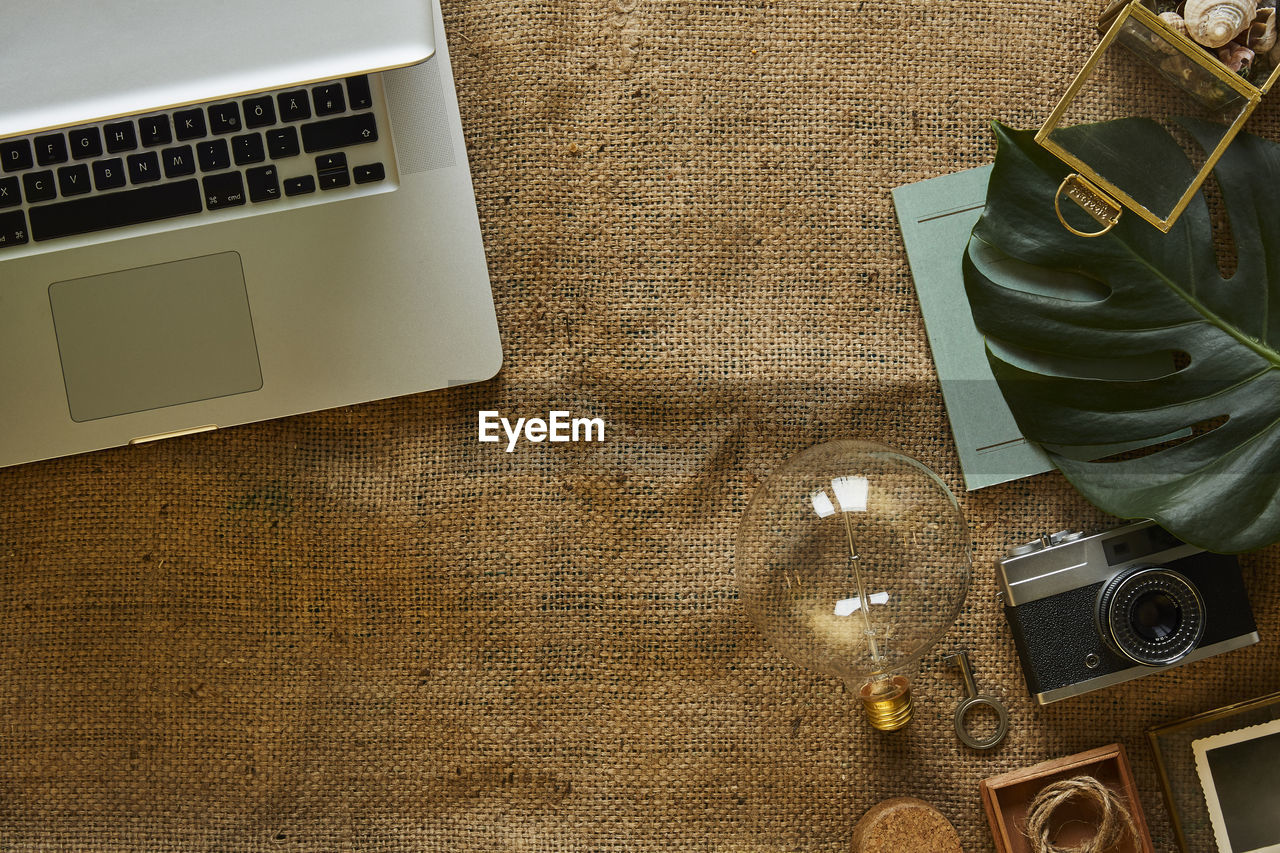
[{"x": 362, "y": 630}]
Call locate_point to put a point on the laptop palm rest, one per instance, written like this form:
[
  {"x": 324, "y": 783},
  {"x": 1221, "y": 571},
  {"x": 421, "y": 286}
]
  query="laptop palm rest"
[{"x": 155, "y": 336}]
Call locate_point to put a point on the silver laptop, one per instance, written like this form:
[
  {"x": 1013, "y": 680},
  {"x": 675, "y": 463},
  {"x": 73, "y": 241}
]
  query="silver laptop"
[{"x": 217, "y": 215}]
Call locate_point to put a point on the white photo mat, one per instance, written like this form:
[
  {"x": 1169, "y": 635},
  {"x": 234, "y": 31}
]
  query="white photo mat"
[{"x": 1239, "y": 772}]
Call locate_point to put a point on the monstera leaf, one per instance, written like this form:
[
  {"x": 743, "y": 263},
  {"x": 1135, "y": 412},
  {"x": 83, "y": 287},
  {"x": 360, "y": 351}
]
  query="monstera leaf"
[{"x": 1045, "y": 297}]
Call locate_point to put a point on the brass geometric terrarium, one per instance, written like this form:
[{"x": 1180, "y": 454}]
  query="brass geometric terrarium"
[{"x": 1220, "y": 85}]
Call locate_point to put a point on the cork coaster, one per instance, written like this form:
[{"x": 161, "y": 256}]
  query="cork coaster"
[{"x": 905, "y": 825}]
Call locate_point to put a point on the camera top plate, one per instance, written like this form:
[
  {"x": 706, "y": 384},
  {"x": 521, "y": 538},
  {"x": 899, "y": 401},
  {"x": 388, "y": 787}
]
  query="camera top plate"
[{"x": 1067, "y": 561}]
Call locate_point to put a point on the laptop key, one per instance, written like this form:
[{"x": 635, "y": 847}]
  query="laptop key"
[
  {"x": 189, "y": 124},
  {"x": 39, "y": 186},
  {"x": 335, "y": 179},
  {"x": 259, "y": 112},
  {"x": 108, "y": 174},
  {"x": 331, "y": 171},
  {"x": 248, "y": 149},
  {"x": 178, "y": 162},
  {"x": 73, "y": 180},
  {"x": 264, "y": 183},
  {"x": 120, "y": 137},
  {"x": 85, "y": 143},
  {"x": 358, "y": 92},
  {"x": 339, "y": 132},
  {"x": 283, "y": 142},
  {"x": 10, "y": 195},
  {"x": 155, "y": 130},
  {"x": 299, "y": 186},
  {"x": 224, "y": 118},
  {"x": 144, "y": 168},
  {"x": 225, "y": 190},
  {"x": 329, "y": 162},
  {"x": 51, "y": 149},
  {"x": 294, "y": 106},
  {"x": 16, "y": 155},
  {"x": 13, "y": 229},
  {"x": 213, "y": 155},
  {"x": 131, "y": 207},
  {"x": 329, "y": 99},
  {"x": 369, "y": 173}
]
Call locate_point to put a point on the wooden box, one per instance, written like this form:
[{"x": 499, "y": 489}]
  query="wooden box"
[{"x": 1008, "y": 796}]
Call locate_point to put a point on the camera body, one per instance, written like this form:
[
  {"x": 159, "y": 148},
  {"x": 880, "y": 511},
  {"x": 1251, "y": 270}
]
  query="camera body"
[{"x": 1089, "y": 612}]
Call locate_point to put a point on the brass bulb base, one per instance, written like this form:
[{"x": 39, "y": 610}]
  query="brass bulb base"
[{"x": 887, "y": 702}]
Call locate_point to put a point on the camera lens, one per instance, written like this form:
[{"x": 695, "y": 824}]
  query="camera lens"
[
  {"x": 1151, "y": 615},
  {"x": 1155, "y": 616}
]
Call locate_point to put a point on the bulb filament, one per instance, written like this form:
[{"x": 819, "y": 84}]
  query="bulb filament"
[{"x": 854, "y": 563}]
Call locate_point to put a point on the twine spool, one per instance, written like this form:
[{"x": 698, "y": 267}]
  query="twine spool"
[{"x": 1117, "y": 824}]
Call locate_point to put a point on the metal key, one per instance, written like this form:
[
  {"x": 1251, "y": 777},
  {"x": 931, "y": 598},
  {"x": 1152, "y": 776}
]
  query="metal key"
[{"x": 972, "y": 700}]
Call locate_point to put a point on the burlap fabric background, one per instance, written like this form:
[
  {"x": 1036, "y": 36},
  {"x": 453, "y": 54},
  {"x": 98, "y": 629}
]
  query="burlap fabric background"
[{"x": 363, "y": 630}]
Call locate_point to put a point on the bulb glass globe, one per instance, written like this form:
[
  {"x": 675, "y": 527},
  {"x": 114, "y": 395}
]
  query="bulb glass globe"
[{"x": 853, "y": 559}]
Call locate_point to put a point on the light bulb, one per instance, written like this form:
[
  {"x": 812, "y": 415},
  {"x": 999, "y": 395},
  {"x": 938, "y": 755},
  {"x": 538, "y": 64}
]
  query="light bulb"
[{"x": 852, "y": 559}]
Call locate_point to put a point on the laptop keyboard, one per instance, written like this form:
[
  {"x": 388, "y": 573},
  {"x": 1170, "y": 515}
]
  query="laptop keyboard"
[{"x": 233, "y": 157}]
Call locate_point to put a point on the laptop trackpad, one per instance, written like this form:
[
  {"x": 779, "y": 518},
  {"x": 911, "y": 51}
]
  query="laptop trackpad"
[{"x": 155, "y": 336}]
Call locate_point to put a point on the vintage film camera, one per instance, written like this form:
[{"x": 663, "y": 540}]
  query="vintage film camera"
[{"x": 1091, "y": 611}]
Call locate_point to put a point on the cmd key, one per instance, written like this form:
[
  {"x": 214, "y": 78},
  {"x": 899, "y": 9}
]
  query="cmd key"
[{"x": 13, "y": 229}]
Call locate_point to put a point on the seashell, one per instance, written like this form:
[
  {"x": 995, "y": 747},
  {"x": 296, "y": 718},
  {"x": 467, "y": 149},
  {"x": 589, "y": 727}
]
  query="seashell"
[
  {"x": 1236, "y": 57},
  {"x": 1178, "y": 67},
  {"x": 1261, "y": 34},
  {"x": 1213, "y": 23},
  {"x": 1175, "y": 22}
]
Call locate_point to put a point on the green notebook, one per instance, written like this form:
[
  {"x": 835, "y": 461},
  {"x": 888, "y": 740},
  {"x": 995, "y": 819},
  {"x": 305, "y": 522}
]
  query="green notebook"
[{"x": 936, "y": 217}]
